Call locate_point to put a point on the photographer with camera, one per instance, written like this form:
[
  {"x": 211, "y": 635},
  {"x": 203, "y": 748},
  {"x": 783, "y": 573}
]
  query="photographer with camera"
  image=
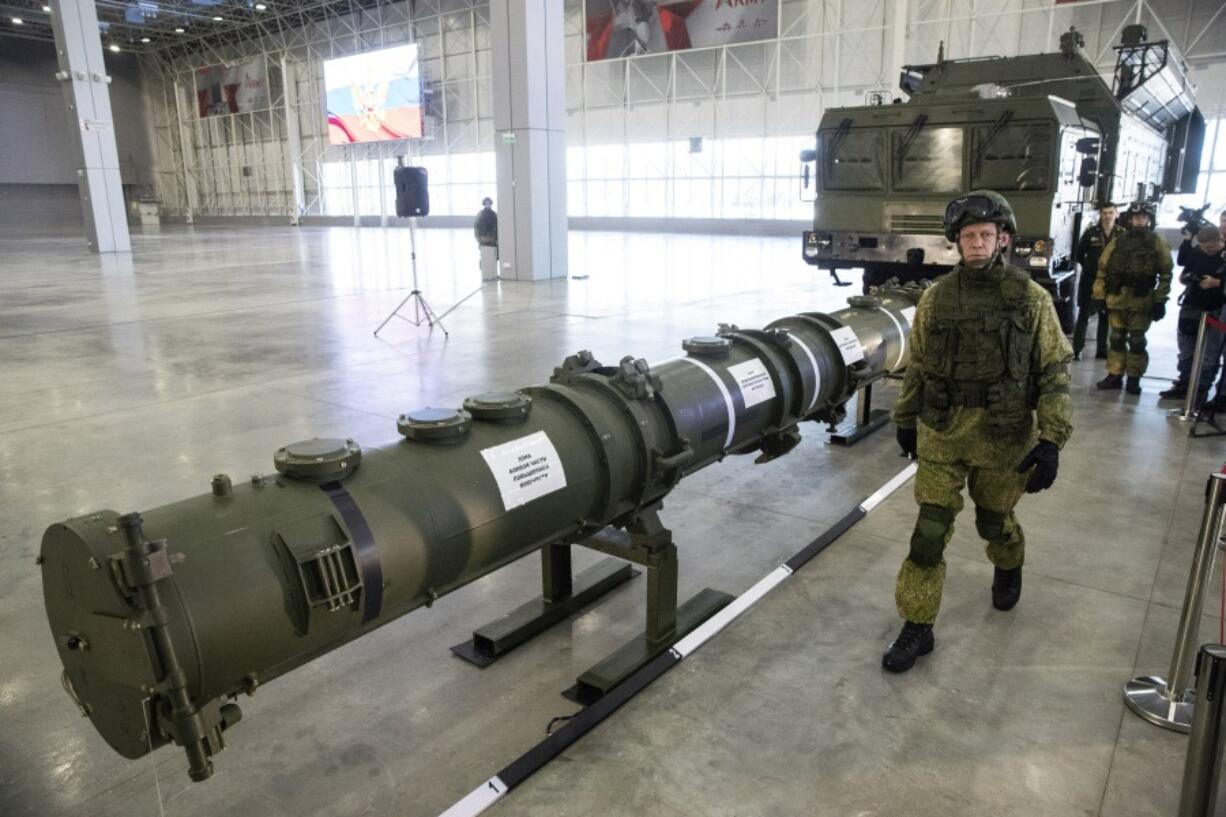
[{"x": 1202, "y": 278}]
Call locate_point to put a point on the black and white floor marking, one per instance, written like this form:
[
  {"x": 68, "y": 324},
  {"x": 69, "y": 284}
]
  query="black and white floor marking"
[{"x": 519, "y": 770}]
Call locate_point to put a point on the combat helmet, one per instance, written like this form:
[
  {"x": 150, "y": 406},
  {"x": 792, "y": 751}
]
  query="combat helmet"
[
  {"x": 1140, "y": 207},
  {"x": 975, "y": 207}
]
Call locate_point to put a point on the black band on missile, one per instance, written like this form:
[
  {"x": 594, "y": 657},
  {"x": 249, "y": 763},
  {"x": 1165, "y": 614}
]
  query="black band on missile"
[{"x": 364, "y": 548}]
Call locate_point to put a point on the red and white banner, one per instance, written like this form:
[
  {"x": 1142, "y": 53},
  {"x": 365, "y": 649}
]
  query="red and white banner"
[
  {"x": 624, "y": 28},
  {"x": 236, "y": 88}
]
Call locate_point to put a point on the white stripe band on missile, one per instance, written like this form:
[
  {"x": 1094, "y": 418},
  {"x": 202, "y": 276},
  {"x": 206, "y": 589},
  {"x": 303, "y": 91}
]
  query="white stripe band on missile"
[
  {"x": 902, "y": 337},
  {"x": 817, "y": 373},
  {"x": 478, "y": 800},
  {"x": 711, "y": 373}
]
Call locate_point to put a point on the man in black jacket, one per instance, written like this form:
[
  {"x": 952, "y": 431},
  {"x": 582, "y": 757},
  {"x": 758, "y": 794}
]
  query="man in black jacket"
[
  {"x": 1089, "y": 248},
  {"x": 1203, "y": 292}
]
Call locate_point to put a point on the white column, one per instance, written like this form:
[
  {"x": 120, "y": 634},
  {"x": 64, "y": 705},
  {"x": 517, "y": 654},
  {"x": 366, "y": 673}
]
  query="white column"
[
  {"x": 78, "y": 48},
  {"x": 898, "y": 44},
  {"x": 529, "y": 84},
  {"x": 293, "y": 137}
]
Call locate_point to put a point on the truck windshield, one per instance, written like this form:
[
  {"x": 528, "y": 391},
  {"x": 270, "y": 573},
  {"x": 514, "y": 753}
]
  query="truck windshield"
[
  {"x": 930, "y": 161},
  {"x": 1016, "y": 157},
  {"x": 853, "y": 160}
]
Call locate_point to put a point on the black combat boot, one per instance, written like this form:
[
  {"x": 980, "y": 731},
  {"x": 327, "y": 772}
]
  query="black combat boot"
[
  {"x": 1111, "y": 381},
  {"x": 1133, "y": 386},
  {"x": 1177, "y": 391},
  {"x": 914, "y": 640},
  {"x": 1006, "y": 588}
]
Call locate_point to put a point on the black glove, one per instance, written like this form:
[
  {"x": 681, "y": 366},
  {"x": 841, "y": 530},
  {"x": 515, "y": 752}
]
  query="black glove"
[
  {"x": 908, "y": 440},
  {"x": 1044, "y": 458},
  {"x": 1158, "y": 312}
]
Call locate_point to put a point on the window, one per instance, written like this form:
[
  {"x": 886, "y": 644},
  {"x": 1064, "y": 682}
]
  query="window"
[
  {"x": 852, "y": 160},
  {"x": 1016, "y": 157},
  {"x": 928, "y": 160}
]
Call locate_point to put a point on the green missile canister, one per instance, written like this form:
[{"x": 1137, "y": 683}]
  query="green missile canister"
[{"x": 163, "y": 618}]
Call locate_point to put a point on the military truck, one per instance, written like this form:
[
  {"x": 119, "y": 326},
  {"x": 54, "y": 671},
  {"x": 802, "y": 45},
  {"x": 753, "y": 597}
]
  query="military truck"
[{"x": 1043, "y": 129}]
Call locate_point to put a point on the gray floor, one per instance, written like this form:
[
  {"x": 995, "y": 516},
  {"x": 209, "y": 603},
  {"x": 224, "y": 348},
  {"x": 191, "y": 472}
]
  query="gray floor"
[{"x": 128, "y": 383}]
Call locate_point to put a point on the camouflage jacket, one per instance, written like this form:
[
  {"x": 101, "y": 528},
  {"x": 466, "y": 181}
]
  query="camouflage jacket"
[
  {"x": 1156, "y": 257},
  {"x": 969, "y": 435}
]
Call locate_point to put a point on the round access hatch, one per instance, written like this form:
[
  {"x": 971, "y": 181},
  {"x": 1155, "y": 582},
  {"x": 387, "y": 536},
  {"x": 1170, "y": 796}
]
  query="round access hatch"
[
  {"x": 435, "y": 425},
  {"x": 707, "y": 346},
  {"x": 499, "y": 406},
  {"x": 318, "y": 460}
]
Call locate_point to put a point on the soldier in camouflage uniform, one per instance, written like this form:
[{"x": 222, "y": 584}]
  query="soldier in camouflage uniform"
[
  {"x": 1134, "y": 277},
  {"x": 987, "y": 356}
]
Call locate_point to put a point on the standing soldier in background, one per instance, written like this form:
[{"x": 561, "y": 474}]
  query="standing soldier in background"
[
  {"x": 987, "y": 356},
  {"x": 1134, "y": 278},
  {"x": 485, "y": 228},
  {"x": 1089, "y": 249}
]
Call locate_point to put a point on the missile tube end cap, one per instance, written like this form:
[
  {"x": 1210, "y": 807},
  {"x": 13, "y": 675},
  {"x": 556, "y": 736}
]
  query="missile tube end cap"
[
  {"x": 707, "y": 346},
  {"x": 499, "y": 406},
  {"x": 318, "y": 460},
  {"x": 431, "y": 425}
]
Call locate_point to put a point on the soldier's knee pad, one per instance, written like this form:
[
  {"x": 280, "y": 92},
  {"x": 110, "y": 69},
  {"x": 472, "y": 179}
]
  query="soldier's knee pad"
[
  {"x": 990, "y": 524},
  {"x": 1136, "y": 341},
  {"x": 928, "y": 539},
  {"x": 1118, "y": 341}
]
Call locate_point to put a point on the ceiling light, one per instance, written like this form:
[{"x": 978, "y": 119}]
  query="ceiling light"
[
  {"x": 216, "y": 19},
  {"x": 178, "y": 31},
  {"x": 47, "y": 9},
  {"x": 260, "y": 7},
  {"x": 115, "y": 48},
  {"x": 144, "y": 39},
  {"x": 17, "y": 21}
]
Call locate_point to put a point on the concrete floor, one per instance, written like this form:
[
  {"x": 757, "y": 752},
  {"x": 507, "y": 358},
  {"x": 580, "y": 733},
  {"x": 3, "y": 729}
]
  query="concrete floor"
[{"x": 128, "y": 382}]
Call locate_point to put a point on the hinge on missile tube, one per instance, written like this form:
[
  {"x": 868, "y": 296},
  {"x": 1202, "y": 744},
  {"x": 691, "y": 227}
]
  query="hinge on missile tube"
[
  {"x": 777, "y": 444},
  {"x": 580, "y": 362},
  {"x": 635, "y": 379}
]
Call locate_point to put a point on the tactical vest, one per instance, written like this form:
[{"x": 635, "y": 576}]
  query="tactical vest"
[
  {"x": 977, "y": 353},
  {"x": 1134, "y": 263}
]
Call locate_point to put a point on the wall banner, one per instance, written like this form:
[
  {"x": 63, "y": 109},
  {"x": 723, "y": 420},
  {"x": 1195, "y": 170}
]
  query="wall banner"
[
  {"x": 236, "y": 88},
  {"x": 624, "y": 28}
]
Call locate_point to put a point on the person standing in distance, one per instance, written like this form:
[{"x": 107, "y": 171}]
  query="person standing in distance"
[
  {"x": 1134, "y": 278},
  {"x": 1202, "y": 277},
  {"x": 984, "y": 404},
  {"x": 1089, "y": 249},
  {"x": 485, "y": 227}
]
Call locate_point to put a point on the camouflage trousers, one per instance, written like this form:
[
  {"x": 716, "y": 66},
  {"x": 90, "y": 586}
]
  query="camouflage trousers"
[
  {"x": 1126, "y": 349},
  {"x": 938, "y": 490}
]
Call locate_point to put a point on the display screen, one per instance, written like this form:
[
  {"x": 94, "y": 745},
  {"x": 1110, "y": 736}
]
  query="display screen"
[{"x": 374, "y": 97}]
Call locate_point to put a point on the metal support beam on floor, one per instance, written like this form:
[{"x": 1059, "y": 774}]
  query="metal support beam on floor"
[
  {"x": 530, "y": 119},
  {"x": 78, "y": 49}
]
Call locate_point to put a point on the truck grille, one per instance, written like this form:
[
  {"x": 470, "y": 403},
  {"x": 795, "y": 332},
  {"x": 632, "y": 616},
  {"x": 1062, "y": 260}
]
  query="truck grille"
[{"x": 926, "y": 224}]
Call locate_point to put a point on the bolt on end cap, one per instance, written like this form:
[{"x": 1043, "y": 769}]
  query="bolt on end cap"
[
  {"x": 318, "y": 460},
  {"x": 707, "y": 346},
  {"x": 499, "y": 406},
  {"x": 435, "y": 425}
]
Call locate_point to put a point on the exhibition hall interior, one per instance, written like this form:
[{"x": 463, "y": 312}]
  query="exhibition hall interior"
[{"x": 710, "y": 408}]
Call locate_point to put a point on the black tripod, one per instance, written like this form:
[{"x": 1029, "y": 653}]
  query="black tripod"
[{"x": 422, "y": 311}]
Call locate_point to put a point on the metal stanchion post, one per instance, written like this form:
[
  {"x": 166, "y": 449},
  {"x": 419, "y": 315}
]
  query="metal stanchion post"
[
  {"x": 1204, "y": 762},
  {"x": 1169, "y": 703},
  {"x": 1190, "y": 409}
]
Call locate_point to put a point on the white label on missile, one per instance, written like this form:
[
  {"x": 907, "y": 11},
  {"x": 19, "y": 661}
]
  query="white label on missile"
[
  {"x": 754, "y": 380},
  {"x": 525, "y": 469},
  {"x": 848, "y": 344},
  {"x": 909, "y": 314}
]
